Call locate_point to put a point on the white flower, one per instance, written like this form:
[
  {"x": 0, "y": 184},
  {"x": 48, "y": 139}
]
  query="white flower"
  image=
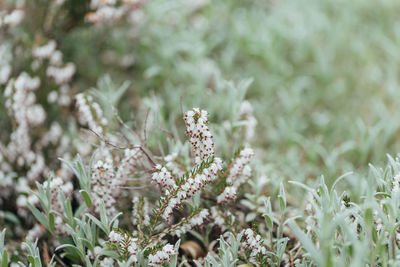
[
  {"x": 106, "y": 262},
  {"x": 396, "y": 184},
  {"x": 115, "y": 237},
  {"x": 163, "y": 177},
  {"x": 45, "y": 51},
  {"x": 162, "y": 256},
  {"x": 61, "y": 75},
  {"x": 250, "y": 122},
  {"x": 227, "y": 195},
  {"x": 199, "y": 135},
  {"x": 90, "y": 113},
  {"x": 5, "y": 72},
  {"x": 14, "y": 18},
  {"x": 253, "y": 243},
  {"x": 240, "y": 170},
  {"x": 132, "y": 248}
]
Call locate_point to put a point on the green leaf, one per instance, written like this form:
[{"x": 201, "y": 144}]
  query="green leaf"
[
  {"x": 39, "y": 216},
  {"x": 68, "y": 211},
  {"x": 307, "y": 243},
  {"x": 97, "y": 222},
  {"x": 88, "y": 262},
  {"x": 282, "y": 197},
  {"x": 31, "y": 259},
  {"x": 115, "y": 217},
  {"x": 75, "y": 249},
  {"x": 369, "y": 217},
  {"x": 43, "y": 196},
  {"x": 88, "y": 244},
  {"x": 339, "y": 179},
  {"x": 79, "y": 171},
  {"x": 11, "y": 217},
  {"x": 79, "y": 210},
  {"x": 51, "y": 221},
  {"x": 268, "y": 221},
  {"x": 38, "y": 263},
  {"x": 4, "y": 260},
  {"x": 269, "y": 217},
  {"x": 86, "y": 198}
]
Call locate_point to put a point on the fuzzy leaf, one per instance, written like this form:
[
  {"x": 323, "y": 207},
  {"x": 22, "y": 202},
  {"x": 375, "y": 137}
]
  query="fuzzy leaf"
[
  {"x": 38, "y": 215},
  {"x": 86, "y": 198},
  {"x": 4, "y": 260}
]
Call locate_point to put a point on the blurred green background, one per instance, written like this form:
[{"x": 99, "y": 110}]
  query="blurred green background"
[{"x": 325, "y": 87}]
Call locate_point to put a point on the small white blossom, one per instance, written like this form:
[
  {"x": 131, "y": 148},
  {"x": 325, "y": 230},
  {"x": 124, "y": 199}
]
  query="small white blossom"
[
  {"x": 193, "y": 185},
  {"x": 14, "y": 18},
  {"x": 90, "y": 113},
  {"x": 227, "y": 195},
  {"x": 115, "y": 237},
  {"x": 253, "y": 243},
  {"x": 45, "y": 51},
  {"x": 199, "y": 135},
  {"x": 106, "y": 262},
  {"x": 396, "y": 184},
  {"x": 162, "y": 256},
  {"x": 61, "y": 75},
  {"x": 104, "y": 186},
  {"x": 163, "y": 177}
]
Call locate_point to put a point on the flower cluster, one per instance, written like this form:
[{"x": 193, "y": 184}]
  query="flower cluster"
[
  {"x": 47, "y": 51},
  {"x": 12, "y": 18},
  {"x": 61, "y": 75},
  {"x": 109, "y": 172},
  {"x": 125, "y": 243},
  {"x": 199, "y": 135},
  {"x": 240, "y": 170},
  {"x": 250, "y": 122},
  {"x": 197, "y": 220},
  {"x": 140, "y": 211},
  {"x": 162, "y": 256},
  {"x": 192, "y": 185},
  {"x": 58, "y": 185},
  {"x": 104, "y": 186},
  {"x": 31, "y": 138},
  {"x": 56, "y": 70},
  {"x": 217, "y": 216},
  {"x": 253, "y": 243},
  {"x": 22, "y": 107},
  {"x": 90, "y": 113},
  {"x": 229, "y": 194},
  {"x": 163, "y": 177},
  {"x": 238, "y": 174},
  {"x": 109, "y": 11},
  {"x": 106, "y": 262}
]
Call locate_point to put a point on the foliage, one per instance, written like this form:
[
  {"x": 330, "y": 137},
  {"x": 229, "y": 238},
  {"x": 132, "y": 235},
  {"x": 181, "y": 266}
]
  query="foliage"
[{"x": 96, "y": 168}]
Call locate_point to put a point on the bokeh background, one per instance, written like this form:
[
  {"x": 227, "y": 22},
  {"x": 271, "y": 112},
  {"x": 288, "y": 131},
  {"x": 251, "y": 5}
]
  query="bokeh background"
[
  {"x": 325, "y": 73},
  {"x": 322, "y": 77}
]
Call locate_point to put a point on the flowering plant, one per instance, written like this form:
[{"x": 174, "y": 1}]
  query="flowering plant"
[{"x": 100, "y": 165}]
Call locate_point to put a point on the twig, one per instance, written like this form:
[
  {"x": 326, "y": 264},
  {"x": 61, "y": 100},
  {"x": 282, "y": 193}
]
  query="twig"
[
  {"x": 124, "y": 124},
  {"x": 128, "y": 147},
  {"x": 145, "y": 126}
]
